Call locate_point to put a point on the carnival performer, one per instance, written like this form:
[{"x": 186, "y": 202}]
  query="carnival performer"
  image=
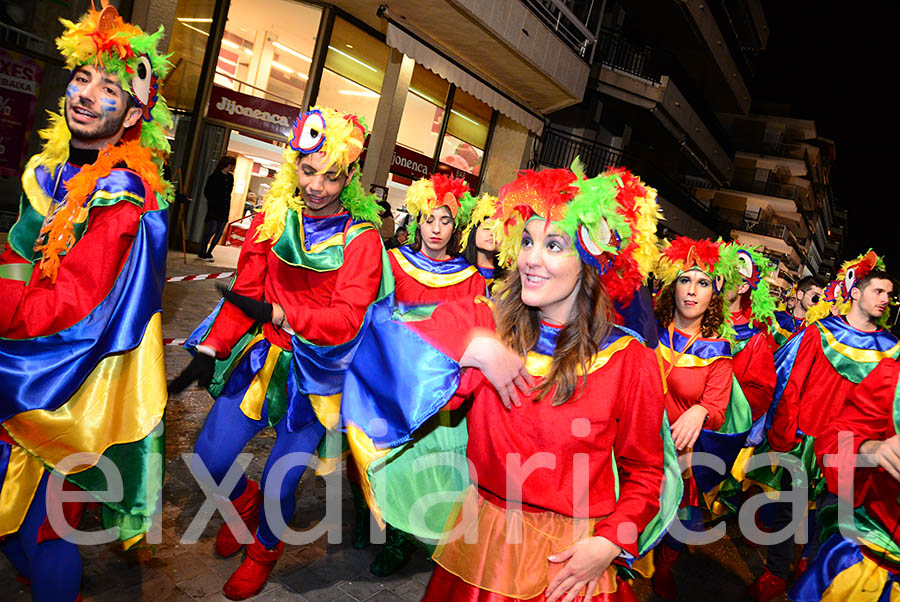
[
  {"x": 792, "y": 318},
  {"x": 587, "y": 404},
  {"x": 695, "y": 360},
  {"x": 752, "y": 307},
  {"x": 309, "y": 270},
  {"x": 477, "y": 243},
  {"x": 427, "y": 271},
  {"x": 81, "y": 279},
  {"x": 860, "y": 559},
  {"x": 817, "y": 370}
]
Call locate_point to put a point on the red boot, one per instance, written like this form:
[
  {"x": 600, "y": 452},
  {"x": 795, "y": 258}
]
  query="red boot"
[
  {"x": 247, "y": 506},
  {"x": 251, "y": 576},
  {"x": 800, "y": 568},
  {"x": 664, "y": 559},
  {"x": 766, "y": 587}
]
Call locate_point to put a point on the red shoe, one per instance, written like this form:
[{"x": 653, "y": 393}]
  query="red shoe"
[
  {"x": 761, "y": 527},
  {"x": 766, "y": 587},
  {"x": 664, "y": 559},
  {"x": 801, "y": 568},
  {"x": 251, "y": 576},
  {"x": 247, "y": 506}
]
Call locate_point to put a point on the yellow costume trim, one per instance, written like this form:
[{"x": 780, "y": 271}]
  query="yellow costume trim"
[
  {"x": 95, "y": 418},
  {"x": 687, "y": 360},
  {"x": 786, "y": 334},
  {"x": 364, "y": 453},
  {"x": 104, "y": 194},
  {"x": 255, "y": 397},
  {"x": 539, "y": 365},
  {"x": 327, "y": 409},
  {"x": 429, "y": 279},
  {"x": 23, "y": 475},
  {"x": 861, "y": 582},
  {"x": 870, "y": 356},
  {"x": 37, "y": 198}
]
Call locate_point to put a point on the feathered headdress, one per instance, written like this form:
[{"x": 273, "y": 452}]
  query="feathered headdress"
[
  {"x": 610, "y": 218},
  {"x": 339, "y": 138},
  {"x": 751, "y": 267},
  {"x": 427, "y": 194},
  {"x": 683, "y": 254},
  {"x": 837, "y": 293},
  {"x": 482, "y": 215},
  {"x": 104, "y": 40}
]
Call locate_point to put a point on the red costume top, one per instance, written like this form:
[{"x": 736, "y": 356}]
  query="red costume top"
[
  {"x": 866, "y": 414},
  {"x": 754, "y": 363},
  {"x": 570, "y": 447},
  {"x": 816, "y": 388},
  {"x": 420, "y": 280},
  {"x": 323, "y": 307}
]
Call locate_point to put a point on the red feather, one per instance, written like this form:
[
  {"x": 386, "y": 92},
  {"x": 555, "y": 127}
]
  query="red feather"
[
  {"x": 444, "y": 185},
  {"x": 706, "y": 252},
  {"x": 546, "y": 192}
]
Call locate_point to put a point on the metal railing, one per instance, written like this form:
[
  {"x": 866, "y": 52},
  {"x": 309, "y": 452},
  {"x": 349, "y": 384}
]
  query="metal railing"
[
  {"x": 771, "y": 187},
  {"x": 568, "y": 27},
  {"x": 616, "y": 51}
]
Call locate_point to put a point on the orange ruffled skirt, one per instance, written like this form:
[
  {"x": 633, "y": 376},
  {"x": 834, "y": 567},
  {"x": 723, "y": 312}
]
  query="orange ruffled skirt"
[{"x": 494, "y": 554}]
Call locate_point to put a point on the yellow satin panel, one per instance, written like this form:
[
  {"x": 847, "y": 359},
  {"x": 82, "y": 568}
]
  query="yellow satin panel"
[
  {"x": 122, "y": 401},
  {"x": 364, "y": 453},
  {"x": 738, "y": 468},
  {"x": 539, "y": 365},
  {"x": 430, "y": 279},
  {"x": 862, "y": 582},
  {"x": 686, "y": 360},
  {"x": 23, "y": 475},
  {"x": 782, "y": 331},
  {"x": 38, "y": 199},
  {"x": 644, "y": 565},
  {"x": 255, "y": 397},
  {"x": 327, "y": 409},
  {"x": 103, "y": 194},
  {"x": 869, "y": 356}
]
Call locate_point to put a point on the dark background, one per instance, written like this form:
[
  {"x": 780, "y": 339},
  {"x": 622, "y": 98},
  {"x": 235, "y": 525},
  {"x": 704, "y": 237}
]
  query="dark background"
[{"x": 837, "y": 63}]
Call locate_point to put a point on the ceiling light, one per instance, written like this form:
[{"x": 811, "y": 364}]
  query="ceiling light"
[
  {"x": 227, "y": 61},
  {"x": 281, "y": 67},
  {"x": 231, "y": 44},
  {"x": 458, "y": 114},
  {"x": 194, "y": 20},
  {"x": 289, "y": 50},
  {"x": 248, "y": 51},
  {"x": 194, "y": 28},
  {"x": 363, "y": 93},
  {"x": 425, "y": 96},
  {"x": 353, "y": 58}
]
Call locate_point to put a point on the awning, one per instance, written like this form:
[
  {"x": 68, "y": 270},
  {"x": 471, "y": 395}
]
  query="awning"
[{"x": 428, "y": 58}]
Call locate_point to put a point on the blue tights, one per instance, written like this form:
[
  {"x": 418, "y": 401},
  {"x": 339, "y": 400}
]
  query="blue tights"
[
  {"x": 54, "y": 567},
  {"x": 225, "y": 433}
]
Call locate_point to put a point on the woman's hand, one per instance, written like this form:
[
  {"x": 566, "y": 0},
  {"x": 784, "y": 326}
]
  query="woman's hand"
[
  {"x": 503, "y": 368},
  {"x": 688, "y": 426},
  {"x": 586, "y": 562}
]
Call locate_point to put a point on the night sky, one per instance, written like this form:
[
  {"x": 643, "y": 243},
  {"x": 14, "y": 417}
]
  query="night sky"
[{"x": 836, "y": 63}]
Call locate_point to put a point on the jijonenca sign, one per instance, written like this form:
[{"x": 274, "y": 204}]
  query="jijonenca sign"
[{"x": 257, "y": 113}]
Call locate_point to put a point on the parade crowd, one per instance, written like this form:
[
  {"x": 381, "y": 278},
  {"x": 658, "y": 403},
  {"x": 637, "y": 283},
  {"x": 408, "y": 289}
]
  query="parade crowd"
[{"x": 530, "y": 387}]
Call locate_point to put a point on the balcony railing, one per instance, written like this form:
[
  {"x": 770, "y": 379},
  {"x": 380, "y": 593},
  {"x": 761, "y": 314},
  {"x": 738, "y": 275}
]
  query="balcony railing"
[
  {"x": 771, "y": 187},
  {"x": 568, "y": 26},
  {"x": 616, "y": 51},
  {"x": 559, "y": 149}
]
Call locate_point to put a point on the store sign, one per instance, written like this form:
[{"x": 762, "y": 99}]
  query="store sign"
[
  {"x": 20, "y": 80},
  {"x": 248, "y": 111},
  {"x": 413, "y": 165}
]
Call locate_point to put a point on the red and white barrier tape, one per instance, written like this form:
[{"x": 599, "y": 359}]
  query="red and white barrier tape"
[
  {"x": 177, "y": 342},
  {"x": 215, "y": 276}
]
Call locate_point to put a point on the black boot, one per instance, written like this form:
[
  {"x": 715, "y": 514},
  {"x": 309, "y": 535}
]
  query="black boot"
[
  {"x": 396, "y": 553},
  {"x": 362, "y": 518}
]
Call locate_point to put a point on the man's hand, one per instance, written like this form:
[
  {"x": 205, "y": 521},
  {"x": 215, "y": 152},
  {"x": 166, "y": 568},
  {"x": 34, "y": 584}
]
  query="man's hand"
[
  {"x": 503, "y": 368},
  {"x": 200, "y": 370},
  {"x": 887, "y": 454},
  {"x": 688, "y": 426}
]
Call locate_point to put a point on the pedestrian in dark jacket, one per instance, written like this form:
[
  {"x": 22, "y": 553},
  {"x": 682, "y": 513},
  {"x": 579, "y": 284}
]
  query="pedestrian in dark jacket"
[{"x": 218, "y": 204}]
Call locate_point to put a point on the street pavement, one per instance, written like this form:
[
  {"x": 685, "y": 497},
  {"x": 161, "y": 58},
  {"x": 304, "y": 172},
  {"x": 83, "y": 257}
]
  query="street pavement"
[{"x": 317, "y": 572}]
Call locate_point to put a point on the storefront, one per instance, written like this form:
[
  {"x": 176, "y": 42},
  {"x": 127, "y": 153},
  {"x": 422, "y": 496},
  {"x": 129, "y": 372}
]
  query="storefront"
[{"x": 276, "y": 57}]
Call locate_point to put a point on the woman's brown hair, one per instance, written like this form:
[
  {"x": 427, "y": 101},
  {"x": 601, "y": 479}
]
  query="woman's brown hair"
[
  {"x": 518, "y": 326},
  {"x": 712, "y": 320}
]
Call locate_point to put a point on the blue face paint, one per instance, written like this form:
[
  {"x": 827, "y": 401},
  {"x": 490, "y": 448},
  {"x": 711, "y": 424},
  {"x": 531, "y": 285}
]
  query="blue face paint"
[
  {"x": 109, "y": 105},
  {"x": 71, "y": 90}
]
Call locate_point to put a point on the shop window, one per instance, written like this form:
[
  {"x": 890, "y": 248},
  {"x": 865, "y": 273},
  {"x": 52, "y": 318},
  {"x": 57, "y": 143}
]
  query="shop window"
[
  {"x": 187, "y": 45},
  {"x": 467, "y": 132},
  {"x": 354, "y": 71},
  {"x": 423, "y": 112}
]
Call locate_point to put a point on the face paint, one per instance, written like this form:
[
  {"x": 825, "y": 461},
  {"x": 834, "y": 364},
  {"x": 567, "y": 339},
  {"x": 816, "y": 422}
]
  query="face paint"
[
  {"x": 109, "y": 104},
  {"x": 71, "y": 90}
]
